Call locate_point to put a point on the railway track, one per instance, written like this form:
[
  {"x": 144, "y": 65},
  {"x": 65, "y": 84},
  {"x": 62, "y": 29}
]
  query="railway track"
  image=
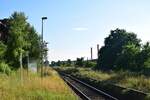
[{"x": 86, "y": 91}]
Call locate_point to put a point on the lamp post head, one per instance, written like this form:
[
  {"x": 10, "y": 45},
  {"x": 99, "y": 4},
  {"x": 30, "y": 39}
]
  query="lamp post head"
[{"x": 43, "y": 18}]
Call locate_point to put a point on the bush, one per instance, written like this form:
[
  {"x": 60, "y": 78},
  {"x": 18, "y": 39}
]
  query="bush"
[
  {"x": 80, "y": 62},
  {"x": 4, "y": 68},
  {"x": 2, "y": 50},
  {"x": 90, "y": 64},
  {"x": 147, "y": 63}
]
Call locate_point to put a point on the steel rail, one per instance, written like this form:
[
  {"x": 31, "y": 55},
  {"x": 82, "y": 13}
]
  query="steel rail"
[{"x": 80, "y": 93}]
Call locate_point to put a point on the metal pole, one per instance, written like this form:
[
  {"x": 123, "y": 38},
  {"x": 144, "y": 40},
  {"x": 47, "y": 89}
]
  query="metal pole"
[
  {"x": 42, "y": 49},
  {"x": 42, "y": 52}
]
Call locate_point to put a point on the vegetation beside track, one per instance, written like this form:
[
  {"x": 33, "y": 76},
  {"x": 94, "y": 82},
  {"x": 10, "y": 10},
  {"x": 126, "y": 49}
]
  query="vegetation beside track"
[
  {"x": 122, "y": 78},
  {"x": 32, "y": 87}
]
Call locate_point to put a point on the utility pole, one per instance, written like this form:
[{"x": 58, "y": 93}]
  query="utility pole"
[
  {"x": 43, "y": 18},
  {"x": 45, "y": 55}
]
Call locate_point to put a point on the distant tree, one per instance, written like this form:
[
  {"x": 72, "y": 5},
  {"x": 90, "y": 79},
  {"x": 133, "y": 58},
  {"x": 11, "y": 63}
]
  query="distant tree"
[
  {"x": 90, "y": 64},
  {"x": 68, "y": 62},
  {"x": 113, "y": 47},
  {"x": 58, "y": 63},
  {"x": 143, "y": 59},
  {"x": 53, "y": 63},
  {"x": 80, "y": 62}
]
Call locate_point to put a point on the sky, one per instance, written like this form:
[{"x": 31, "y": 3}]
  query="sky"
[{"x": 74, "y": 26}]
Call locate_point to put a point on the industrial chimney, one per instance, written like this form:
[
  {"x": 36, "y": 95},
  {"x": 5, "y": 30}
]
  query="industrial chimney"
[
  {"x": 97, "y": 50},
  {"x": 91, "y": 53}
]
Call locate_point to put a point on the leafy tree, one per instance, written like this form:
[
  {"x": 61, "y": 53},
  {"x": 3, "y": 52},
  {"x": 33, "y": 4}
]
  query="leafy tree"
[
  {"x": 58, "y": 63},
  {"x": 68, "y": 62},
  {"x": 2, "y": 50},
  {"x": 147, "y": 63},
  {"x": 16, "y": 40},
  {"x": 22, "y": 38},
  {"x": 80, "y": 62},
  {"x": 53, "y": 63},
  {"x": 113, "y": 47},
  {"x": 128, "y": 57},
  {"x": 143, "y": 59},
  {"x": 4, "y": 30},
  {"x": 33, "y": 46}
]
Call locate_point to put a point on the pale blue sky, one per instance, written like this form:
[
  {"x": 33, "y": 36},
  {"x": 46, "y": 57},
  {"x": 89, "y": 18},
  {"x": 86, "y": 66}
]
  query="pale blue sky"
[{"x": 73, "y": 26}]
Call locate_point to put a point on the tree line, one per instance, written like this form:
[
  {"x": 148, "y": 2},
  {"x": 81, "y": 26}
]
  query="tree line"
[
  {"x": 122, "y": 50},
  {"x": 79, "y": 62}
]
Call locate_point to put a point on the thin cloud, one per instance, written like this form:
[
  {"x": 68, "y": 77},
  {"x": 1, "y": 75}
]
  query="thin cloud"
[{"x": 80, "y": 29}]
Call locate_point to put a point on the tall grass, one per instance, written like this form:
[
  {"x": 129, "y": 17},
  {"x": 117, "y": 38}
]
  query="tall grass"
[
  {"x": 33, "y": 87},
  {"x": 122, "y": 78}
]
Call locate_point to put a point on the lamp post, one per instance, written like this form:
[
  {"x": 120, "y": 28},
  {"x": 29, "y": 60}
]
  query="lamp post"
[{"x": 43, "y": 18}]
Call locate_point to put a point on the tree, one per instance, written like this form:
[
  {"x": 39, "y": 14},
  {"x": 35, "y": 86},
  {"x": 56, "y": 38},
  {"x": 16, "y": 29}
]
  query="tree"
[
  {"x": 2, "y": 50},
  {"x": 80, "y": 62},
  {"x": 68, "y": 62},
  {"x": 143, "y": 59},
  {"x": 53, "y": 63},
  {"x": 113, "y": 47},
  {"x": 33, "y": 40},
  {"x": 21, "y": 38},
  {"x": 16, "y": 39},
  {"x": 128, "y": 58},
  {"x": 4, "y": 30},
  {"x": 90, "y": 64},
  {"x": 58, "y": 63}
]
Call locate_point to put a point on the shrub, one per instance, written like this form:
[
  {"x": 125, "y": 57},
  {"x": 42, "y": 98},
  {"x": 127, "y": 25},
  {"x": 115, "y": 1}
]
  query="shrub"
[
  {"x": 80, "y": 62},
  {"x": 2, "y": 50},
  {"x": 147, "y": 63},
  {"x": 90, "y": 64},
  {"x": 4, "y": 68}
]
